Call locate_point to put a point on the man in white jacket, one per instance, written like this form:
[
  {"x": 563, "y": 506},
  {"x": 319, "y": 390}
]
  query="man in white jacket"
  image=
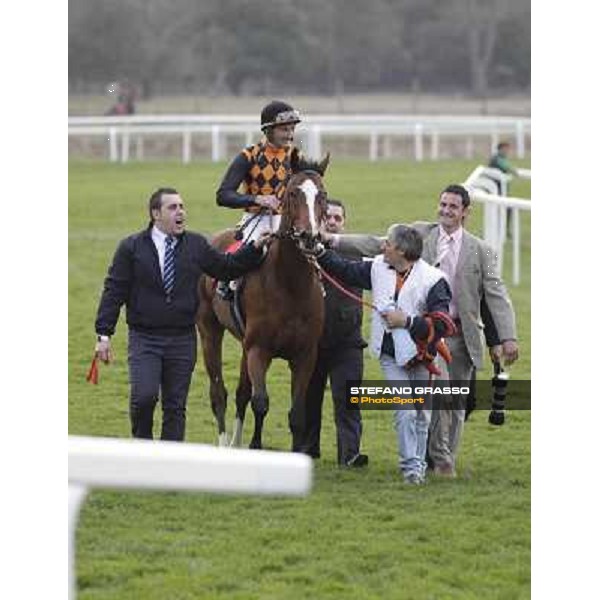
[{"x": 412, "y": 300}]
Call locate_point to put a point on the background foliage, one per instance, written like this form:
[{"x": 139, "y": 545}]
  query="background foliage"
[{"x": 220, "y": 47}]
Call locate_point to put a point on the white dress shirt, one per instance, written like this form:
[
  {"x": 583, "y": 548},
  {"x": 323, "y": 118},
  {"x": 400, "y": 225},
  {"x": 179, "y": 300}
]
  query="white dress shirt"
[{"x": 159, "y": 238}]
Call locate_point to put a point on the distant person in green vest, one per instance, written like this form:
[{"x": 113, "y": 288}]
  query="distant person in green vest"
[{"x": 500, "y": 161}]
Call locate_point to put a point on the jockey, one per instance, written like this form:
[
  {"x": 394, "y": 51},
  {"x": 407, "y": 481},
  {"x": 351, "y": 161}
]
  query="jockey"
[{"x": 263, "y": 170}]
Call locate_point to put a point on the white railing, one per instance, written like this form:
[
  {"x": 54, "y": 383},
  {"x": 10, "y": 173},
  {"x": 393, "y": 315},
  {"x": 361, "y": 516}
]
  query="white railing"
[
  {"x": 126, "y": 132},
  {"x": 489, "y": 186},
  {"x": 116, "y": 463}
]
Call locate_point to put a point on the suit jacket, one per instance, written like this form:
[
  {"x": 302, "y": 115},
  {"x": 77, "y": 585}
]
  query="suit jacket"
[
  {"x": 343, "y": 317},
  {"x": 477, "y": 283},
  {"x": 134, "y": 279}
]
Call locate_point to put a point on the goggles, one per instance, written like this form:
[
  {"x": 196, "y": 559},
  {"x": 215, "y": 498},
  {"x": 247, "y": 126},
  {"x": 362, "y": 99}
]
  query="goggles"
[{"x": 282, "y": 118}]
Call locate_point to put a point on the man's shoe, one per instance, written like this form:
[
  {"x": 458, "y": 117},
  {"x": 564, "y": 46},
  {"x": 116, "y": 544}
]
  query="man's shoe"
[
  {"x": 444, "y": 470},
  {"x": 357, "y": 461},
  {"x": 413, "y": 479}
]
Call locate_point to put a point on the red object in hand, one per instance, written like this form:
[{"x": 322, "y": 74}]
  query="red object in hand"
[
  {"x": 92, "y": 375},
  {"x": 233, "y": 247}
]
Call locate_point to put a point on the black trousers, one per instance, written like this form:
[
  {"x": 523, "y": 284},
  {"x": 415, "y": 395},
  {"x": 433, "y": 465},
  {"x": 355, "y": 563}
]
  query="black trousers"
[
  {"x": 160, "y": 365},
  {"x": 339, "y": 365}
]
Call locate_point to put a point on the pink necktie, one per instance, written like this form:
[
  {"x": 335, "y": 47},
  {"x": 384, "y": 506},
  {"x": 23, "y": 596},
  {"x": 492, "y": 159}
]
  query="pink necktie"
[{"x": 446, "y": 255}]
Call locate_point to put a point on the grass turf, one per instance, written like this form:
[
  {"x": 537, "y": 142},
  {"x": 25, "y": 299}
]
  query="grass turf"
[{"x": 359, "y": 534}]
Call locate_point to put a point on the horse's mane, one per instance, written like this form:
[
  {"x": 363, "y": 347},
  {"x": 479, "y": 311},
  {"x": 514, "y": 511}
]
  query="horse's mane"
[{"x": 300, "y": 163}]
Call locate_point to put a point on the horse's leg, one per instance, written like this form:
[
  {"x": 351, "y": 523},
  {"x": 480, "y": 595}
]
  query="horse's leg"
[
  {"x": 211, "y": 334},
  {"x": 258, "y": 363},
  {"x": 242, "y": 397},
  {"x": 302, "y": 368}
]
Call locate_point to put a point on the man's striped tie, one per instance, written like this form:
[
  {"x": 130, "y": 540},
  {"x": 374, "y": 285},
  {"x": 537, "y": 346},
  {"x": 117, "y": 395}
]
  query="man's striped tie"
[{"x": 169, "y": 270}]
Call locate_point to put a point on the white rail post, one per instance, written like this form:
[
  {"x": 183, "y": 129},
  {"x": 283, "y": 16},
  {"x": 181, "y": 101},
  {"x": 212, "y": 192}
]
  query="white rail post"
[
  {"x": 112, "y": 144},
  {"x": 387, "y": 146},
  {"x": 139, "y": 147},
  {"x": 186, "y": 146},
  {"x": 77, "y": 495},
  {"x": 125, "y": 145},
  {"x": 435, "y": 144},
  {"x": 490, "y": 224},
  {"x": 516, "y": 233},
  {"x": 418, "y": 142},
  {"x": 493, "y": 141},
  {"x": 373, "y": 143},
  {"x": 249, "y": 136},
  {"x": 520, "y": 140},
  {"x": 313, "y": 145},
  {"x": 469, "y": 147},
  {"x": 215, "y": 143},
  {"x": 314, "y": 141}
]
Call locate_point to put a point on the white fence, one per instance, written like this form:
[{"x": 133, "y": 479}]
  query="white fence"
[
  {"x": 489, "y": 186},
  {"x": 124, "y": 135},
  {"x": 116, "y": 463}
]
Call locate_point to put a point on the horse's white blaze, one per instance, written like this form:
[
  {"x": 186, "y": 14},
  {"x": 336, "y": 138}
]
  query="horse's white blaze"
[{"x": 310, "y": 193}]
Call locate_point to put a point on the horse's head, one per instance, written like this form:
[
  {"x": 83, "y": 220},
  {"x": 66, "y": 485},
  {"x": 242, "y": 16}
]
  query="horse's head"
[{"x": 304, "y": 202}]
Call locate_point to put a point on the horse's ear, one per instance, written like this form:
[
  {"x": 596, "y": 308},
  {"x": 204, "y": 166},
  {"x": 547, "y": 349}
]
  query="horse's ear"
[
  {"x": 295, "y": 160},
  {"x": 324, "y": 164}
]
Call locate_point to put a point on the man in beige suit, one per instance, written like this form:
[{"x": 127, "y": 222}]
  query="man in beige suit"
[{"x": 471, "y": 268}]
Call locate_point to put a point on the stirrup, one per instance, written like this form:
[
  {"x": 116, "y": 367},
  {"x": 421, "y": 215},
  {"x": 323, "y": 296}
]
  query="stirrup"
[{"x": 224, "y": 291}]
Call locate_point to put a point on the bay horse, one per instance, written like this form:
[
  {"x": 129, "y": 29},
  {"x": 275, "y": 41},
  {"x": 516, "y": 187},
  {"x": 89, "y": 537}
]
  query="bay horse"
[{"x": 284, "y": 310}]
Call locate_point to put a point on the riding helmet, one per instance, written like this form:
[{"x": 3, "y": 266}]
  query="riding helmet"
[{"x": 278, "y": 113}]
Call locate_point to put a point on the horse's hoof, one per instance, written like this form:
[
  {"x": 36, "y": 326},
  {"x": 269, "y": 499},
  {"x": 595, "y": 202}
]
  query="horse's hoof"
[
  {"x": 223, "y": 440},
  {"x": 255, "y": 446}
]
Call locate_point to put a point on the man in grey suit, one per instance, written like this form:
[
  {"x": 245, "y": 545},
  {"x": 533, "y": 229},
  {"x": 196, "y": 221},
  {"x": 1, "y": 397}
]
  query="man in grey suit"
[{"x": 471, "y": 268}]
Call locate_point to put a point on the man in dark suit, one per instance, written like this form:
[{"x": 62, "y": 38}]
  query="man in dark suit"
[
  {"x": 340, "y": 359},
  {"x": 155, "y": 274}
]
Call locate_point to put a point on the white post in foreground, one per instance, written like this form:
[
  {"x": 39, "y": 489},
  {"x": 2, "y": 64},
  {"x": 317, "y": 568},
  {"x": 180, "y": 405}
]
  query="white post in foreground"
[{"x": 144, "y": 464}]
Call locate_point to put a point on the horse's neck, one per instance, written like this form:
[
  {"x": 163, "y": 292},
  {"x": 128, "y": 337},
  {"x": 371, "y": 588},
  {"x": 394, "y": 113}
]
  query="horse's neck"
[{"x": 290, "y": 265}]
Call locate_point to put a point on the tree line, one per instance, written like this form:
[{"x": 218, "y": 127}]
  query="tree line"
[{"x": 261, "y": 47}]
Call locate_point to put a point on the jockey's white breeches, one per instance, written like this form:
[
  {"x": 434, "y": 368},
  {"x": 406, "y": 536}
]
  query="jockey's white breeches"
[{"x": 259, "y": 224}]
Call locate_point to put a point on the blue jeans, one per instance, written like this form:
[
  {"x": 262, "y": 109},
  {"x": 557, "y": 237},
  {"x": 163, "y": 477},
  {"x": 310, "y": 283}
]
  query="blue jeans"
[{"x": 411, "y": 424}]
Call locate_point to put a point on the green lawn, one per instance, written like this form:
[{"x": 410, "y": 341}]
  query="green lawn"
[{"x": 359, "y": 535}]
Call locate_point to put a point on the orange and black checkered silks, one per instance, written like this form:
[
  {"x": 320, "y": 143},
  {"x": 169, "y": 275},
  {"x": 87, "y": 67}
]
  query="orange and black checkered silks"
[{"x": 269, "y": 171}]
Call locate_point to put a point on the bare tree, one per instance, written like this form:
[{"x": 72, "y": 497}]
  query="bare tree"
[{"x": 479, "y": 21}]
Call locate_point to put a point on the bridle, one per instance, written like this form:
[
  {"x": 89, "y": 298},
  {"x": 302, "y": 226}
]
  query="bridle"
[{"x": 304, "y": 240}]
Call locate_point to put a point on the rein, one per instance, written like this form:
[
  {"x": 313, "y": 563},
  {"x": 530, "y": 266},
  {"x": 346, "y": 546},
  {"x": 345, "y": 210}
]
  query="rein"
[{"x": 344, "y": 291}]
